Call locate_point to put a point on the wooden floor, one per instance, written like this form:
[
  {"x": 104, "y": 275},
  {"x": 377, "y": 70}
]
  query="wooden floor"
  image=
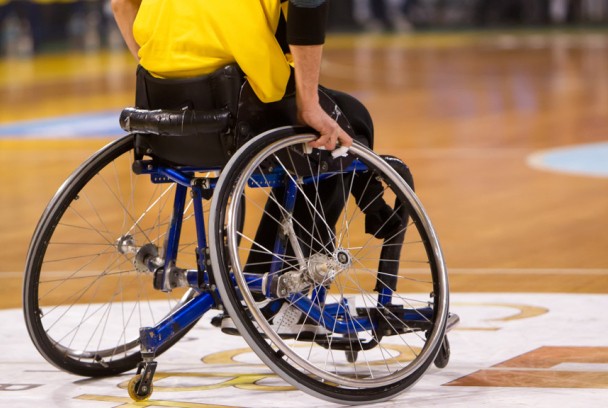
[{"x": 463, "y": 110}]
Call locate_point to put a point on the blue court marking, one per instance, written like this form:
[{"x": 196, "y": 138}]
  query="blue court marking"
[
  {"x": 583, "y": 160},
  {"x": 99, "y": 124}
]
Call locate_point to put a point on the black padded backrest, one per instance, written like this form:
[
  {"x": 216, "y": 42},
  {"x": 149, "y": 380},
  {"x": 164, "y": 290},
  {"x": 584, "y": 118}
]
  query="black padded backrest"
[
  {"x": 198, "y": 144},
  {"x": 217, "y": 90}
]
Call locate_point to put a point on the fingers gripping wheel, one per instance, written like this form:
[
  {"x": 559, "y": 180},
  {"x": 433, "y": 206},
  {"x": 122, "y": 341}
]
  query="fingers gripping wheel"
[{"x": 371, "y": 301}]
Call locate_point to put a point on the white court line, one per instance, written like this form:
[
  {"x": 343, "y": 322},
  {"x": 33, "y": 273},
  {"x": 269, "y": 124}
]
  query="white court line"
[
  {"x": 451, "y": 271},
  {"x": 519, "y": 271}
]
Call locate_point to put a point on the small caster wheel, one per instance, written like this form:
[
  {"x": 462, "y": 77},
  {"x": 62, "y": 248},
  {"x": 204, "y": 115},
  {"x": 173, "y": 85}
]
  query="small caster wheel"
[
  {"x": 141, "y": 394},
  {"x": 351, "y": 356},
  {"x": 443, "y": 357}
]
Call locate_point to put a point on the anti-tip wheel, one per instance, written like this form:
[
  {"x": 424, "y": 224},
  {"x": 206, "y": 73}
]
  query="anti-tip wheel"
[{"x": 443, "y": 357}]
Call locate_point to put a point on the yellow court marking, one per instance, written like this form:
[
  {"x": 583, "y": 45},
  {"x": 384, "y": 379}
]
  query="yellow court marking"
[
  {"x": 128, "y": 403},
  {"x": 523, "y": 311},
  {"x": 245, "y": 381}
]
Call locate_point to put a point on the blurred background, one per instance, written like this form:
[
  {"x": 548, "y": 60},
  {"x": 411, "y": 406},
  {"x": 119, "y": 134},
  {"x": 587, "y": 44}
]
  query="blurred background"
[
  {"x": 37, "y": 26},
  {"x": 500, "y": 107}
]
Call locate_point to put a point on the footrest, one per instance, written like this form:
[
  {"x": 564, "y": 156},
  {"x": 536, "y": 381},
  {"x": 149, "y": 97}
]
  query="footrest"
[
  {"x": 345, "y": 343},
  {"x": 453, "y": 320},
  {"x": 395, "y": 319}
]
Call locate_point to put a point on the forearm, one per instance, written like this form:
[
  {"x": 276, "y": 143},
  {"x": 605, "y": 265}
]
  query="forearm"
[
  {"x": 125, "y": 12},
  {"x": 306, "y": 25},
  {"x": 307, "y": 67},
  {"x": 306, "y": 34}
]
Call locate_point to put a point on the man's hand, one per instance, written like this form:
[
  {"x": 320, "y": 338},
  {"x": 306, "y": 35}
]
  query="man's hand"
[{"x": 331, "y": 134}]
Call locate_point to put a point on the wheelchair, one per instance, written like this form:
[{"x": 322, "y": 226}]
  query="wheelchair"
[{"x": 135, "y": 248}]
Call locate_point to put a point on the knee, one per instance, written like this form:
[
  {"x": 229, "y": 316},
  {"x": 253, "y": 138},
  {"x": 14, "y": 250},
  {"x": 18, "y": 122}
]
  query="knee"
[
  {"x": 357, "y": 115},
  {"x": 401, "y": 168}
]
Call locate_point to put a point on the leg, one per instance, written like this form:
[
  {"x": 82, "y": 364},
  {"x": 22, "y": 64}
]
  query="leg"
[
  {"x": 376, "y": 210},
  {"x": 365, "y": 187}
]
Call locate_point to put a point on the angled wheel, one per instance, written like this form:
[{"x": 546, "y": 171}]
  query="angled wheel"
[
  {"x": 84, "y": 298},
  {"x": 342, "y": 291}
]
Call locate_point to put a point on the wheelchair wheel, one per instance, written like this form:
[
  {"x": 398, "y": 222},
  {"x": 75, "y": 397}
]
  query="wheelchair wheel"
[
  {"x": 344, "y": 304},
  {"x": 84, "y": 299}
]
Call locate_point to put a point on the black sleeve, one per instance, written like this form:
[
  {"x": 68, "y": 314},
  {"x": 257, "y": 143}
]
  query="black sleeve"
[{"x": 306, "y": 22}]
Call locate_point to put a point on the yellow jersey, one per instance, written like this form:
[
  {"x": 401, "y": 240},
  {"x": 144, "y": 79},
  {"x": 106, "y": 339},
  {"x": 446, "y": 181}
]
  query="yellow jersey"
[{"x": 180, "y": 39}]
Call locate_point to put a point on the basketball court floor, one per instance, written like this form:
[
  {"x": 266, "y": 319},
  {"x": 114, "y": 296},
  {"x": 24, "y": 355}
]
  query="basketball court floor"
[{"x": 507, "y": 137}]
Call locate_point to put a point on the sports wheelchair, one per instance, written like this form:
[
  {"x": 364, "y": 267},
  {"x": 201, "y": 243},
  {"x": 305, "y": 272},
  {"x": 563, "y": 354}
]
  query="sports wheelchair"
[{"x": 122, "y": 264}]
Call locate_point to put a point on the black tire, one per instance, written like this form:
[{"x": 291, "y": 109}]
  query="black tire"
[
  {"x": 313, "y": 363},
  {"x": 84, "y": 301},
  {"x": 443, "y": 357}
]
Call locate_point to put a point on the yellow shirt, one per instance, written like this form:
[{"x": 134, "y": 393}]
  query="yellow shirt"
[{"x": 186, "y": 38}]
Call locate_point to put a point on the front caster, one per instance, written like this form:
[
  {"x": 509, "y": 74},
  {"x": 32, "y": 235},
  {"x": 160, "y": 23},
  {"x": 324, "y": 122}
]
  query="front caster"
[
  {"x": 137, "y": 391},
  {"x": 140, "y": 387}
]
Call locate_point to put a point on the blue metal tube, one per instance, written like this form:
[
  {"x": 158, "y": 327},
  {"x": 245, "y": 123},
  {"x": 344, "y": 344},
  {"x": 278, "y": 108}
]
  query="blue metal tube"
[
  {"x": 385, "y": 296},
  {"x": 325, "y": 318},
  {"x": 179, "y": 177},
  {"x": 319, "y": 293},
  {"x": 199, "y": 219},
  {"x": 172, "y": 242},
  {"x": 197, "y": 202},
  {"x": 152, "y": 338}
]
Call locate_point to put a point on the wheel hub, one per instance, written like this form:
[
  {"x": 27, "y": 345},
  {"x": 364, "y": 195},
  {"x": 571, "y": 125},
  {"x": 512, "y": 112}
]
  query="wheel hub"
[
  {"x": 146, "y": 257},
  {"x": 323, "y": 269}
]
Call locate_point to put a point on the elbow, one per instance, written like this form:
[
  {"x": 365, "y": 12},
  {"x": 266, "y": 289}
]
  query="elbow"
[{"x": 119, "y": 6}]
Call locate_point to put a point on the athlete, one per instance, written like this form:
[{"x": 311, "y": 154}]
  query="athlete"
[
  {"x": 273, "y": 42},
  {"x": 176, "y": 39}
]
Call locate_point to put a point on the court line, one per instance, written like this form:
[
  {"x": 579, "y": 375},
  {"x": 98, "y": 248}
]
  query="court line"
[
  {"x": 525, "y": 271},
  {"x": 451, "y": 271},
  {"x": 95, "y": 124}
]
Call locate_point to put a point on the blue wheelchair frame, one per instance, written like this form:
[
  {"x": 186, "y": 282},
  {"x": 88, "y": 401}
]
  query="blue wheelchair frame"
[{"x": 333, "y": 317}]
